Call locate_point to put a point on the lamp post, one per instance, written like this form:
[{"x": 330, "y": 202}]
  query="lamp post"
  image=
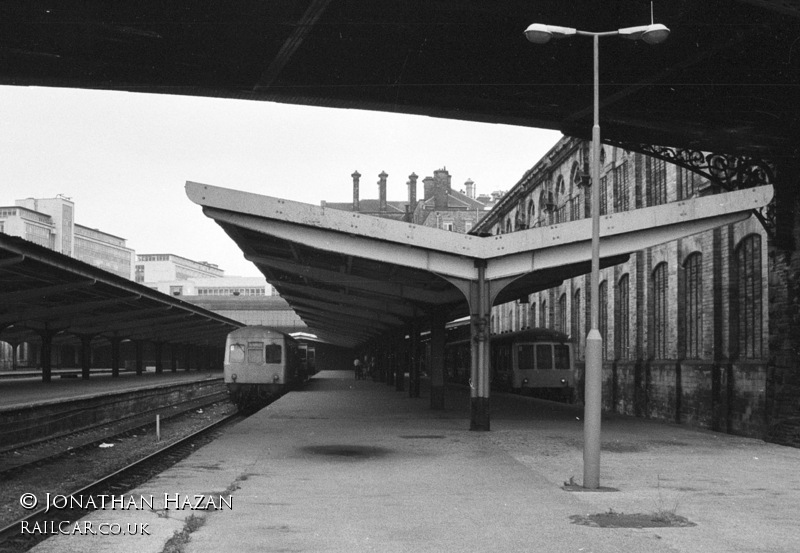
[{"x": 539, "y": 34}]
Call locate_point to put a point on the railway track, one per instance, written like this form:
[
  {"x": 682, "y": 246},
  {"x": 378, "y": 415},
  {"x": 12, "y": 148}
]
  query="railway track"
[
  {"x": 44, "y": 450},
  {"x": 119, "y": 482}
]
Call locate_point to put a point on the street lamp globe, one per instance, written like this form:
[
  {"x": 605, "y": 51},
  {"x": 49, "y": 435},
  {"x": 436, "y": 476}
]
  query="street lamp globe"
[
  {"x": 655, "y": 33},
  {"x": 539, "y": 33}
]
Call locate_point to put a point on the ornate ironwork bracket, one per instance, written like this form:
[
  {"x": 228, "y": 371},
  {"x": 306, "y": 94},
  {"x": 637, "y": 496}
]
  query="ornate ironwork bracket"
[{"x": 725, "y": 171}]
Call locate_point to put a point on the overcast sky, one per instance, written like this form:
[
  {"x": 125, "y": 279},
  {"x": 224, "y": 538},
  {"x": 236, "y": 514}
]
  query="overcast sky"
[{"x": 124, "y": 158}]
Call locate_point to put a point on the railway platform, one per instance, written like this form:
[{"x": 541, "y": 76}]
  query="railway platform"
[
  {"x": 350, "y": 466},
  {"x": 17, "y": 391}
]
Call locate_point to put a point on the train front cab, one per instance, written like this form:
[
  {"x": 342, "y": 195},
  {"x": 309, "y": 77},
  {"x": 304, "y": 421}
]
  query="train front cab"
[
  {"x": 259, "y": 364},
  {"x": 532, "y": 365}
]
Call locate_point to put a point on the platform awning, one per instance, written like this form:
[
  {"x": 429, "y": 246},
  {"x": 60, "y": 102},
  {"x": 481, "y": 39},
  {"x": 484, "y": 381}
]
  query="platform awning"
[
  {"x": 43, "y": 291},
  {"x": 352, "y": 277}
]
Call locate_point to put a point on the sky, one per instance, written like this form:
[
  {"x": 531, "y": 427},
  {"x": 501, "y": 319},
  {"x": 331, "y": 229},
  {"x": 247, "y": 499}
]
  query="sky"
[{"x": 124, "y": 159}]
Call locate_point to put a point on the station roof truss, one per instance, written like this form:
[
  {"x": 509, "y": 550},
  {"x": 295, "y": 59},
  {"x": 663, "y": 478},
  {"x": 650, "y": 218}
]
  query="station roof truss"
[
  {"x": 354, "y": 277},
  {"x": 726, "y": 80},
  {"x": 43, "y": 291}
]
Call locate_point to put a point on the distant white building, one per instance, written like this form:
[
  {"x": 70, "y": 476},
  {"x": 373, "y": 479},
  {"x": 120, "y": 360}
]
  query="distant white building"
[
  {"x": 221, "y": 286},
  {"x": 272, "y": 311},
  {"x": 163, "y": 267},
  {"x": 50, "y": 222},
  {"x": 179, "y": 276}
]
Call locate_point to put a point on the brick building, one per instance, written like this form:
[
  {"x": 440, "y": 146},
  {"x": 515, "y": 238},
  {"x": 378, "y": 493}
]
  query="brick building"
[{"x": 694, "y": 330}]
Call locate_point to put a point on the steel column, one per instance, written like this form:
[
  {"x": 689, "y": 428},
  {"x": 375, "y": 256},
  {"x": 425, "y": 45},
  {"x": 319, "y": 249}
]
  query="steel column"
[
  {"x": 46, "y": 354},
  {"x": 138, "y": 347},
  {"x": 115, "y": 343},
  {"x": 479, "y": 341},
  {"x": 86, "y": 356},
  {"x": 438, "y": 337}
]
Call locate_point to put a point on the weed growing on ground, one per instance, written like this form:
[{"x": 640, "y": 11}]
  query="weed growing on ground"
[
  {"x": 666, "y": 510},
  {"x": 178, "y": 541}
]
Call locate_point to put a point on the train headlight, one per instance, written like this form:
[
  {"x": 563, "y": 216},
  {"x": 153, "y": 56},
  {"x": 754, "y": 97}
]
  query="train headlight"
[
  {"x": 276, "y": 378},
  {"x": 233, "y": 377},
  {"x": 564, "y": 381},
  {"x": 524, "y": 381}
]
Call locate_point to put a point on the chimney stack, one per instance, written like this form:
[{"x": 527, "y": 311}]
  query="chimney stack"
[
  {"x": 382, "y": 190},
  {"x": 428, "y": 190},
  {"x": 470, "y": 188},
  {"x": 412, "y": 191},
  {"x": 356, "y": 175},
  {"x": 441, "y": 188}
]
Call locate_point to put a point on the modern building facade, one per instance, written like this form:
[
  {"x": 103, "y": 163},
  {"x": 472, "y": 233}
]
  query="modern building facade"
[
  {"x": 50, "y": 222},
  {"x": 162, "y": 267},
  {"x": 686, "y": 326},
  {"x": 224, "y": 286},
  {"x": 179, "y": 276}
]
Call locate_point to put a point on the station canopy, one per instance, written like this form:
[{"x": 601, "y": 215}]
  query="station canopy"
[{"x": 42, "y": 291}]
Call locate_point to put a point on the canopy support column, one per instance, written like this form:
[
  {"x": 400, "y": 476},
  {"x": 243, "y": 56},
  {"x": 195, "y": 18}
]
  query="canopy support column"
[
  {"x": 86, "y": 356},
  {"x": 438, "y": 337},
  {"x": 479, "y": 341}
]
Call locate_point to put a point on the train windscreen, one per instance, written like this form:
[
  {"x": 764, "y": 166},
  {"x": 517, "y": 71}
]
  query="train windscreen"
[
  {"x": 544, "y": 356},
  {"x": 562, "y": 357},
  {"x": 255, "y": 352},
  {"x": 236, "y": 353},
  {"x": 273, "y": 353},
  {"x": 525, "y": 357}
]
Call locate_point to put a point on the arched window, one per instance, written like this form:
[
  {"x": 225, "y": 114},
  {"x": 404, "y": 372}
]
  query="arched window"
[
  {"x": 656, "y": 186},
  {"x": 532, "y": 314},
  {"x": 603, "y": 194},
  {"x": 541, "y": 219},
  {"x": 621, "y": 187},
  {"x": 749, "y": 298},
  {"x": 622, "y": 318},
  {"x": 543, "y": 314},
  {"x": 576, "y": 185},
  {"x": 524, "y": 313},
  {"x": 689, "y": 183},
  {"x": 560, "y": 200},
  {"x": 692, "y": 299},
  {"x": 531, "y": 215},
  {"x": 576, "y": 316},
  {"x": 659, "y": 311},
  {"x": 561, "y": 314},
  {"x": 603, "y": 316}
]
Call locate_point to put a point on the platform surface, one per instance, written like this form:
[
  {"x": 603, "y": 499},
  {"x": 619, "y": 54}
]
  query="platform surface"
[
  {"x": 23, "y": 392},
  {"x": 355, "y": 466}
]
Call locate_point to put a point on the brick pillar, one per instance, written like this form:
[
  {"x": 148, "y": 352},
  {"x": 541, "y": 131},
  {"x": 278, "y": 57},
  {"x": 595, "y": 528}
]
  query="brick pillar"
[{"x": 783, "y": 376}]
